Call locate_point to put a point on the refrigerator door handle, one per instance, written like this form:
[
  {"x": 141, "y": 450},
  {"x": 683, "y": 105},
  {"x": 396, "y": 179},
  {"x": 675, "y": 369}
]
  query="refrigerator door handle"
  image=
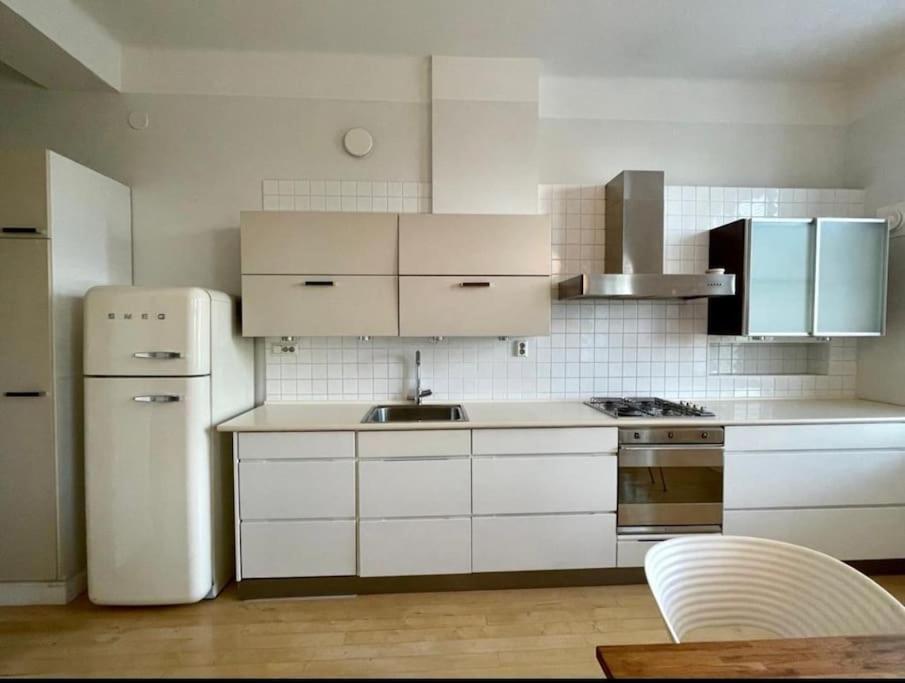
[
  {"x": 157, "y": 355},
  {"x": 157, "y": 398}
]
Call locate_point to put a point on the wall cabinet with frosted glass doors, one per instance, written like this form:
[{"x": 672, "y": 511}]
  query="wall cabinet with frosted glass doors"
[{"x": 799, "y": 277}]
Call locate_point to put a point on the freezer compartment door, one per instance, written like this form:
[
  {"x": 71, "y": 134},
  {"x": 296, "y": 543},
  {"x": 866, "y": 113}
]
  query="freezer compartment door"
[
  {"x": 148, "y": 489},
  {"x": 147, "y": 331}
]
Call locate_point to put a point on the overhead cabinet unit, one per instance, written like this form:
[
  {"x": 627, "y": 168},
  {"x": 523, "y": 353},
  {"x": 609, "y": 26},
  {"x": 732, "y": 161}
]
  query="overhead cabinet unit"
[
  {"x": 319, "y": 274},
  {"x": 378, "y": 274},
  {"x": 801, "y": 277},
  {"x": 474, "y": 275}
]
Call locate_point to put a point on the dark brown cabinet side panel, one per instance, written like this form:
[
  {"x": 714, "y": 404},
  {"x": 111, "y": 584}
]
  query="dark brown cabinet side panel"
[{"x": 725, "y": 314}]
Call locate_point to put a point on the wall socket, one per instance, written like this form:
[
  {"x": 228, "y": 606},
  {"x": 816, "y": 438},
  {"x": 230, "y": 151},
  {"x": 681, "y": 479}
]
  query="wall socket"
[
  {"x": 520, "y": 349},
  {"x": 277, "y": 349}
]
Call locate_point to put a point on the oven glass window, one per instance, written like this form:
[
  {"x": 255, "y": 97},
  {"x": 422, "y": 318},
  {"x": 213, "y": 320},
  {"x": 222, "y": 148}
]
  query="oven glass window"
[{"x": 652, "y": 485}]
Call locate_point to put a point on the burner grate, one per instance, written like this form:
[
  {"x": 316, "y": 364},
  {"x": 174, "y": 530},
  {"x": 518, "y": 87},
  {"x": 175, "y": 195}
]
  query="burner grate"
[{"x": 646, "y": 407}]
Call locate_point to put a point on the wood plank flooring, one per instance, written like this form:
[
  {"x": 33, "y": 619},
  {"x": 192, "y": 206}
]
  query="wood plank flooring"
[{"x": 538, "y": 632}]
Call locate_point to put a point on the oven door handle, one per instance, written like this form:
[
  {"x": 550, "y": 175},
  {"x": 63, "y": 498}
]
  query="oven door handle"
[{"x": 633, "y": 456}]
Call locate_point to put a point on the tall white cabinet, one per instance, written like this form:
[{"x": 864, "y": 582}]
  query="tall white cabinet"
[{"x": 63, "y": 229}]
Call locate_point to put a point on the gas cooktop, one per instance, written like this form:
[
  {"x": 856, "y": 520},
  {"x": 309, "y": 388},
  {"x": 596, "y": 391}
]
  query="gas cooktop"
[{"x": 646, "y": 407}]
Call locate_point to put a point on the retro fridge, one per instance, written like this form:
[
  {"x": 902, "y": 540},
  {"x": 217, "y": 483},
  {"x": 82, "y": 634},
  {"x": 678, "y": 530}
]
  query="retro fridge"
[{"x": 163, "y": 366}]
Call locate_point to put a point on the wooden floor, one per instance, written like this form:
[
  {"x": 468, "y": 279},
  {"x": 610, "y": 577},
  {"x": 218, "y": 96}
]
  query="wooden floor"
[{"x": 539, "y": 632}]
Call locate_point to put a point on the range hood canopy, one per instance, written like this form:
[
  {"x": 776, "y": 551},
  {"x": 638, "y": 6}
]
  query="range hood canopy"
[{"x": 634, "y": 250}]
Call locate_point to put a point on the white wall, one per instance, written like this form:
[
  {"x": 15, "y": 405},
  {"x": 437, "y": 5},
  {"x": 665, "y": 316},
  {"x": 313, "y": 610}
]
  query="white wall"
[
  {"x": 704, "y": 132},
  {"x": 875, "y": 160},
  {"x": 202, "y": 159},
  {"x": 484, "y": 135},
  {"x": 749, "y": 155}
]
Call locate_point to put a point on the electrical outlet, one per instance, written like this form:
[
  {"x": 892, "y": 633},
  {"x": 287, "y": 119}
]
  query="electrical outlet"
[
  {"x": 520, "y": 349},
  {"x": 279, "y": 349}
]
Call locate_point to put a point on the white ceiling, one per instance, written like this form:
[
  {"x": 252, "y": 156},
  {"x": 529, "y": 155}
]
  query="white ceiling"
[{"x": 750, "y": 39}]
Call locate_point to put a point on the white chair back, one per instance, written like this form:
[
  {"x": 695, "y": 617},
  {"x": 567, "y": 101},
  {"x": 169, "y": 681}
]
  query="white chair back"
[{"x": 718, "y": 581}]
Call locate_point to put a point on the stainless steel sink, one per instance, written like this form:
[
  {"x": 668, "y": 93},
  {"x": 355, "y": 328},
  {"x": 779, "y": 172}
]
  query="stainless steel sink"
[{"x": 415, "y": 413}]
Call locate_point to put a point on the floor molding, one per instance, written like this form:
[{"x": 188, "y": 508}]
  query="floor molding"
[
  {"x": 256, "y": 589},
  {"x": 42, "y": 592}
]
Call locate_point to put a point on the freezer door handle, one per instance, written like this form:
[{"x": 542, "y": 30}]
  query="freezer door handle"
[
  {"x": 157, "y": 398},
  {"x": 25, "y": 394},
  {"x": 157, "y": 355}
]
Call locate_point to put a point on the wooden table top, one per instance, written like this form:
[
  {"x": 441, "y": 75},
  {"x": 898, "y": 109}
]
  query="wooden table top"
[{"x": 867, "y": 656}]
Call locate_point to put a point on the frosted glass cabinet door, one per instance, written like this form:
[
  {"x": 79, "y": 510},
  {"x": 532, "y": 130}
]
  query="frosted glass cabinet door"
[
  {"x": 781, "y": 277},
  {"x": 851, "y": 276}
]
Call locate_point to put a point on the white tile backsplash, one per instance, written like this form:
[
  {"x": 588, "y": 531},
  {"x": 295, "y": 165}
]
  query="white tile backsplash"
[
  {"x": 595, "y": 348},
  {"x": 346, "y": 195}
]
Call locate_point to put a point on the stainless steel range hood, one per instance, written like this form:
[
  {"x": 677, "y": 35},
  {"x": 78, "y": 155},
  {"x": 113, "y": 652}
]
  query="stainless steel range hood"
[{"x": 634, "y": 250}]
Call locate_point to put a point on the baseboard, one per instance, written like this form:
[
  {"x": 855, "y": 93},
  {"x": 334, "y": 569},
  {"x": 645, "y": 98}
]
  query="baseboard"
[
  {"x": 42, "y": 592},
  {"x": 256, "y": 589}
]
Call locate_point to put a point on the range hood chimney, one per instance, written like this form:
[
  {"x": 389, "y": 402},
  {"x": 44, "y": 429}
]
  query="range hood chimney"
[{"x": 634, "y": 250}]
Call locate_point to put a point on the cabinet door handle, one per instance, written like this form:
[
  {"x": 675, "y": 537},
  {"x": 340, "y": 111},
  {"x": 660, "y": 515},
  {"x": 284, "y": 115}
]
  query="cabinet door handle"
[
  {"x": 157, "y": 398},
  {"x": 320, "y": 283},
  {"x": 474, "y": 284},
  {"x": 25, "y": 394},
  {"x": 157, "y": 355},
  {"x": 16, "y": 230}
]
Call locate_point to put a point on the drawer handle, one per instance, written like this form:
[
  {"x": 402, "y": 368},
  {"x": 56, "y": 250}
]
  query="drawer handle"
[
  {"x": 157, "y": 355},
  {"x": 320, "y": 283},
  {"x": 13, "y": 230},
  {"x": 25, "y": 394},
  {"x": 474, "y": 284},
  {"x": 157, "y": 398}
]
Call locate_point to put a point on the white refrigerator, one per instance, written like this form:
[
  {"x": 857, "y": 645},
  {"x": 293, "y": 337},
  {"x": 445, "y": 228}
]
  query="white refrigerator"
[{"x": 163, "y": 366}]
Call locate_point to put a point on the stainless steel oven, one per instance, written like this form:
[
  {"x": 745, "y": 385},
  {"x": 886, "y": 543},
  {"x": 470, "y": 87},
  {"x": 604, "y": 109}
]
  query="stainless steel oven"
[{"x": 670, "y": 480}]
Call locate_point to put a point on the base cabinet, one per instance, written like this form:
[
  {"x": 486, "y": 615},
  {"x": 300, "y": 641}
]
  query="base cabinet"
[
  {"x": 845, "y": 533},
  {"x": 407, "y": 547},
  {"x": 298, "y": 548},
  {"x": 535, "y": 542}
]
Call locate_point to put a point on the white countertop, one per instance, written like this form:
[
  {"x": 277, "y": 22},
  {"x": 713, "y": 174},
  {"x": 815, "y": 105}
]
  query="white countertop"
[{"x": 327, "y": 416}]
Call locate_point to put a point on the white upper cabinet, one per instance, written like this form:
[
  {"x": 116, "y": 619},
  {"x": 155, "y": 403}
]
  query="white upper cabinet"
[
  {"x": 801, "y": 277},
  {"x": 852, "y": 260},
  {"x": 473, "y": 244},
  {"x": 474, "y": 275},
  {"x": 318, "y": 243},
  {"x": 378, "y": 274},
  {"x": 24, "y": 193},
  {"x": 319, "y": 274}
]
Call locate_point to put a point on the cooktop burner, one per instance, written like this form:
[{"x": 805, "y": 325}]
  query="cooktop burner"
[{"x": 646, "y": 407}]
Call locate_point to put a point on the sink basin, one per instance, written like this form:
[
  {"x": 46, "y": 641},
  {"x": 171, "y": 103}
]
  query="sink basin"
[{"x": 415, "y": 413}]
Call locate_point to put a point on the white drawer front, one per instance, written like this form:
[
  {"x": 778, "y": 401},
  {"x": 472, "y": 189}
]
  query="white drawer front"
[
  {"x": 303, "y": 305},
  {"x": 543, "y": 441},
  {"x": 281, "y": 549},
  {"x": 414, "y": 444},
  {"x": 297, "y": 490},
  {"x": 815, "y": 437},
  {"x": 405, "y": 547},
  {"x": 814, "y": 478},
  {"x": 414, "y": 488},
  {"x": 632, "y": 553},
  {"x": 536, "y": 484},
  {"x": 296, "y": 445},
  {"x": 533, "y": 542},
  {"x": 474, "y": 306},
  {"x": 844, "y": 533},
  {"x": 444, "y": 244},
  {"x": 318, "y": 242}
]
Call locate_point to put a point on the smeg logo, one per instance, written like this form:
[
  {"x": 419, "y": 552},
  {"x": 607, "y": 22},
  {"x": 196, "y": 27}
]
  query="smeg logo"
[{"x": 142, "y": 316}]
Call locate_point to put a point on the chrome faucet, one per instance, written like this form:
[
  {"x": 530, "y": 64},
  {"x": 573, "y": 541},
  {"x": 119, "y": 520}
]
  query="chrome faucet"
[{"x": 419, "y": 393}]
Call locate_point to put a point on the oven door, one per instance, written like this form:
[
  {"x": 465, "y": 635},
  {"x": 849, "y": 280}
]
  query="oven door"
[{"x": 670, "y": 489}]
